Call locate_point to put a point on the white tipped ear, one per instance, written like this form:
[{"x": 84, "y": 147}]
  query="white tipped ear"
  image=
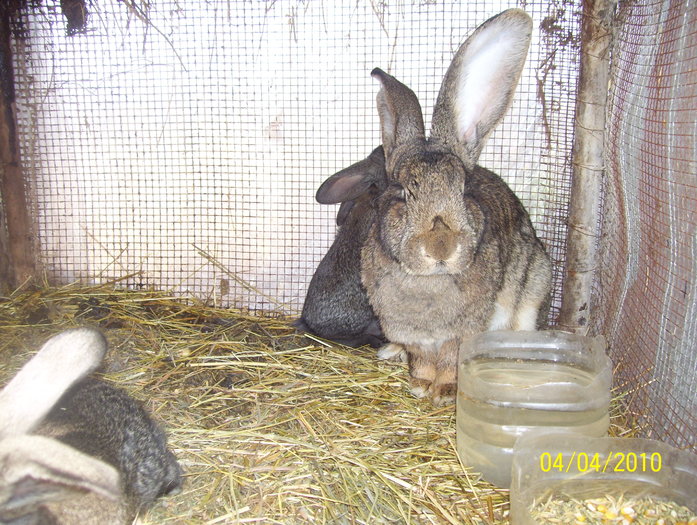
[
  {"x": 480, "y": 82},
  {"x": 62, "y": 361}
]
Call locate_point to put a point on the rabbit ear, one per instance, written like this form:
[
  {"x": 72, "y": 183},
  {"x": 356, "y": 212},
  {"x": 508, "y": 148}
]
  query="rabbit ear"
[
  {"x": 38, "y": 469},
  {"x": 479, "y": 84},
  {"x": 62, "y": 361},
  {"x": 344, "y": 211},
  {"x": 400, "y": 112},
  {"x": 352, "y": 182}
]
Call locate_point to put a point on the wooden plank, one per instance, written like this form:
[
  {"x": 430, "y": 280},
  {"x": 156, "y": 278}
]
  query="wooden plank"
[
  {"x": 588, "y": 165},
  {"x": 19, "y": 256}
]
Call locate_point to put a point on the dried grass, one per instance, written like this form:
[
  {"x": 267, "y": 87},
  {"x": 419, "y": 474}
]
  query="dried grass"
[{"x": 270, "y": 426}]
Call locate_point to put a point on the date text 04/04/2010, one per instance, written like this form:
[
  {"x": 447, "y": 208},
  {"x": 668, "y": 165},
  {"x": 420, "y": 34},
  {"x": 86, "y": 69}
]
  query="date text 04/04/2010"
[{"x": 597, "y": 462}]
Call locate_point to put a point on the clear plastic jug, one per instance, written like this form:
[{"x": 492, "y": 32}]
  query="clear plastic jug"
[{"x": 512, "y": 382}]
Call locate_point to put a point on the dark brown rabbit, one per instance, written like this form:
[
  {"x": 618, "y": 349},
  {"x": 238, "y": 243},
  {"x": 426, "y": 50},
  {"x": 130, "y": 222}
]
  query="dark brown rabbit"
[
  {"x": 336, "y": 305},
  {"x": 75, "y": 450},
  {"x": 452, "y": 251}
]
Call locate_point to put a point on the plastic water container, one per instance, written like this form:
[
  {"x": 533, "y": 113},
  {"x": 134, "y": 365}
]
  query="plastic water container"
[{"x": 512, "y": 382}]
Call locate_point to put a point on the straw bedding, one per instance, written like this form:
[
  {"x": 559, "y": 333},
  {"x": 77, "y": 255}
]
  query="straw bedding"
[{"x": 270, "y": 426}]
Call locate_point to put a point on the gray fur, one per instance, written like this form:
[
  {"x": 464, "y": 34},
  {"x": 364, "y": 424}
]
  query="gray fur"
[
  {"x": 336, "y": 306},
  {"x": 105, "y": 422},
  {"x": 96, "y": 457}
]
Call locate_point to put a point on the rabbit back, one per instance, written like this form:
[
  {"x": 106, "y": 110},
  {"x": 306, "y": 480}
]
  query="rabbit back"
[
  {"x": 510, "y": 246},
  {"x": 336, "y": 305},
  {"x": 105, "y": 422}
]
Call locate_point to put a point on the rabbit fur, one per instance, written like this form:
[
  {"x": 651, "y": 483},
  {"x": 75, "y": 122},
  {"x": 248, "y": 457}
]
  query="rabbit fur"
[
  {"x": 336, "y": 306},
  {"x": 73, "y": 449},
  {"x": 452, "y": 251}
]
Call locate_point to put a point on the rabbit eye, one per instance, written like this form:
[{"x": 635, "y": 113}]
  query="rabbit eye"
[{"x": 398, "y": 192}]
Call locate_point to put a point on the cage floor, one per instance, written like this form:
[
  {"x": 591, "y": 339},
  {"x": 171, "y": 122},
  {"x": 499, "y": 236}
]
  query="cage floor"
[{"x": 269, "y": 425}]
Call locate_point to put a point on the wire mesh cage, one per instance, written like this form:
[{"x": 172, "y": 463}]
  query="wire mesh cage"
[
  {"x": 645, "y": 288},
  {"x": 182, "y": 144},
  {"x": 178, "y": 146}
]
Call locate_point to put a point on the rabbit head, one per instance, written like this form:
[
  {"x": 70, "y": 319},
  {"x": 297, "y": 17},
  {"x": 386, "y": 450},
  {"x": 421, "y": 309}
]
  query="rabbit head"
[
  {"x": 452, "y": 251},
  {"x": 440, "y": 228},
  {"x": 426, "y": 220},
  {"x": 355, "y": 181}
]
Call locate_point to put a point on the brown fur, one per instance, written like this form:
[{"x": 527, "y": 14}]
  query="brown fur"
[{"x": 452, "y": 252}]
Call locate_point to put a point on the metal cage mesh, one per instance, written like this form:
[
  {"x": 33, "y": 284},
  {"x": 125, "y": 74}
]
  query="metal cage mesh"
[
  {"x": 182, "y": 143},
  {"x": 646, "y": 292},
  {"x": 179, "y": 145}
]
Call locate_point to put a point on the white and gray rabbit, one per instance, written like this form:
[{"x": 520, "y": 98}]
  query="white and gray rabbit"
[
  {"x": 336, "y": 305},
  {"x": 73, "y": 449},
  {"x": 452, "y": 251}
]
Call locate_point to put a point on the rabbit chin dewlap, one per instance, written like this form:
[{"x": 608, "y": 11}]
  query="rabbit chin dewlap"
[{"x": 452, "y": 251}]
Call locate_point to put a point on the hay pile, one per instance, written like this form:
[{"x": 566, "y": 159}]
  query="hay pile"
[{"x": 269, "y": 425}]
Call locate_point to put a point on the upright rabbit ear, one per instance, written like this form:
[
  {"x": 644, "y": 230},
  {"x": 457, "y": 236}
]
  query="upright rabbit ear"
[
  {"x": 400, "y": 112},
  {"x": 352, "y": 182},
  {"x": 62, "y": 361},
  {"x": 479, "y": 84}
]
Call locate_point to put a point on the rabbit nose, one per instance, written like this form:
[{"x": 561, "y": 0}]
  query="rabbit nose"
[
  {"x": 439, "y": 224},
  {"x": 441, "y": 241}
]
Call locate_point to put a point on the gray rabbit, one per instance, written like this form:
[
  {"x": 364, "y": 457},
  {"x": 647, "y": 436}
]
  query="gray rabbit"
[
  {"x": 336, "y": 305},
  {"x": 452, "y": 251},
  {"x": 76, "y": 450}
]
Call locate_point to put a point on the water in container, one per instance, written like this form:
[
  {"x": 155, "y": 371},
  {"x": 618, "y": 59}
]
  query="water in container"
[{"x": 511, "y": 382}]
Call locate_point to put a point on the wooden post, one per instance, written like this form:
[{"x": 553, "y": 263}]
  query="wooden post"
[
  {"x": 588, "y": 164},
  {"x": 18, "y": 242}
]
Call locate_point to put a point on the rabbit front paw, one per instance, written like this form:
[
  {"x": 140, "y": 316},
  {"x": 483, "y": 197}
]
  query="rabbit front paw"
[
  {"x": 444, "y": 394},
  {"x": 393, "y": 352}
]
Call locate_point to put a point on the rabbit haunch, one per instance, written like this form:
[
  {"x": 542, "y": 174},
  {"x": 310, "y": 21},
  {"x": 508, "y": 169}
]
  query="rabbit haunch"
[{"x": 452, "y": 251}]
